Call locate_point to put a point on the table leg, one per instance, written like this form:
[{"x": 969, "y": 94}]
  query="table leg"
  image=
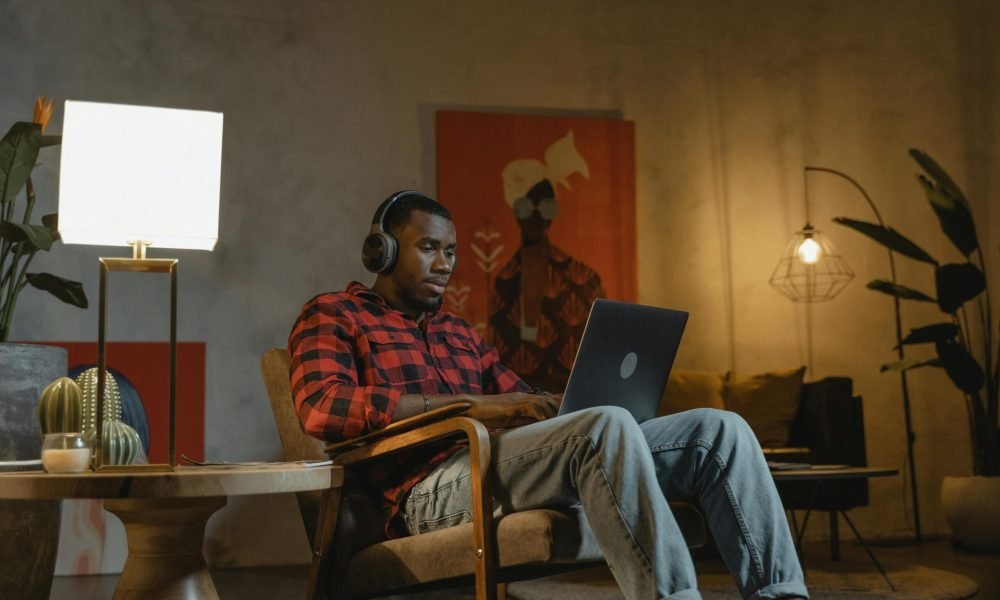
[
  {"x": 868, "y": 550},
  {"x": 164, "y": 548},
  {"x": 834, "y": 536}
]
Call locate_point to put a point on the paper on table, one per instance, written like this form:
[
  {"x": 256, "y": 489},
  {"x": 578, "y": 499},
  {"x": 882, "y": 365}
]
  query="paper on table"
[
  {"x": 226, "y": 464},
  {"x": 20, "y": 463}
]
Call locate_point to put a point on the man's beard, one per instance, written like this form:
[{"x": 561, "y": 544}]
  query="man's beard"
[{"x": 422, "y": 304}]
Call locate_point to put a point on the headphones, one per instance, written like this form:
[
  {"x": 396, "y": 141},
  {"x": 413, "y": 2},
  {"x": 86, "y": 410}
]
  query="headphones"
[{"x": 380, "y": 249}]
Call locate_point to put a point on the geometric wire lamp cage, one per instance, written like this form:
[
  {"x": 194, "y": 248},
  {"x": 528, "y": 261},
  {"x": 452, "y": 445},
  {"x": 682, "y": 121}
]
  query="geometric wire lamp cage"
[{"x": 810, "y": 270}]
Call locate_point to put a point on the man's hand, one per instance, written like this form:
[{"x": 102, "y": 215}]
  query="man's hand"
[{"x": 505, "y": 411}]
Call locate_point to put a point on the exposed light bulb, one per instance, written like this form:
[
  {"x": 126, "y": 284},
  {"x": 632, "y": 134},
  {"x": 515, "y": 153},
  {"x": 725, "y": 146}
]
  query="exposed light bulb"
[{"x": 809, "y": 251}]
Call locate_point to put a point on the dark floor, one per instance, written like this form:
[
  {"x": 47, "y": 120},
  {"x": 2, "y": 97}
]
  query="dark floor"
[{"x": 290, "y": 582}]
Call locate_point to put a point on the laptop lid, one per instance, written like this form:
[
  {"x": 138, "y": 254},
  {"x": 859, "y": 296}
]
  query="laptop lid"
[{"x": 624, "y": 358}]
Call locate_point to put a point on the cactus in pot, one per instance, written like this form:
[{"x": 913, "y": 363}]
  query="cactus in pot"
[
  {"x": 112, "y": 398},
  {"x": 60, "y": 407},
  {"x": 120, "y": 444}
]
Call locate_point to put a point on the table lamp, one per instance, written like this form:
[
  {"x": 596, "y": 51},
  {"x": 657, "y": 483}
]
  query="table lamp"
[{"x": 142, "y": 177}]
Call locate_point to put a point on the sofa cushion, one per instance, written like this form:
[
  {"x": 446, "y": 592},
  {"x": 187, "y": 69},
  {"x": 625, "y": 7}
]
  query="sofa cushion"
[
  {"x": 687, "y": 389},
  {"x": 767, "y": 401}
]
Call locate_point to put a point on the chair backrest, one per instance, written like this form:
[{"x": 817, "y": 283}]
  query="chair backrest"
[
  {"x": 359, "y": 517},
  {"x": 294, "y": 442}
]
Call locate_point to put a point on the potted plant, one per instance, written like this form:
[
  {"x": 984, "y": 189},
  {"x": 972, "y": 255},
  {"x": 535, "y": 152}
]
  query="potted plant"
[
  {"x": 20, "y": 240},
  {"x": 963, "y": 342},
  {"x": 32, "y": 529}
]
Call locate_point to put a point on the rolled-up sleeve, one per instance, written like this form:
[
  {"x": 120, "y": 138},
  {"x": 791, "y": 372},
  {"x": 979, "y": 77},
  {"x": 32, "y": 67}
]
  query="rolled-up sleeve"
[{"x": 331, "y": 402}]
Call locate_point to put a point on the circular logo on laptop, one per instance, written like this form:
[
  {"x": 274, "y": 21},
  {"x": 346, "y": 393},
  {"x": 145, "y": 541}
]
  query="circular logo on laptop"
[{"x": 628, "y": 365}]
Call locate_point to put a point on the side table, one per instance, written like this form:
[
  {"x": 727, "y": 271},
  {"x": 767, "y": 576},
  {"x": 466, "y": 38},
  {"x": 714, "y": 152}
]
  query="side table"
[
  {"x": 817, "y": 476},
  {"x": 164, "y": 514}
]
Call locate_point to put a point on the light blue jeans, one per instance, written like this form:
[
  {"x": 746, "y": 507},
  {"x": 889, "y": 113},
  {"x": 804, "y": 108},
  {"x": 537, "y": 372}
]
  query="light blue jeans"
[{"x": 622, "y": 473}]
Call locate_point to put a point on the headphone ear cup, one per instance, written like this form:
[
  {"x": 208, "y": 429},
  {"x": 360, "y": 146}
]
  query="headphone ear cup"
[{"x": 379, "y": 252}]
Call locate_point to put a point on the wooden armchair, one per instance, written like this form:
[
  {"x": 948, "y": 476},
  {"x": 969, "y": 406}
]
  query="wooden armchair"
[{"x": 352, "y": 558}]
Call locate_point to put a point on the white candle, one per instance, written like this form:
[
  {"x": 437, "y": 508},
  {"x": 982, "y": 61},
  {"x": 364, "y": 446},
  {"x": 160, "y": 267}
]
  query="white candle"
[{"x": 70, "y": 460}]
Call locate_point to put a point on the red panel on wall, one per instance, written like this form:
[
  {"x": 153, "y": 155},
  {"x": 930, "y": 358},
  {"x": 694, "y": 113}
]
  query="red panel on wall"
[{"x": 147, "y": 366}]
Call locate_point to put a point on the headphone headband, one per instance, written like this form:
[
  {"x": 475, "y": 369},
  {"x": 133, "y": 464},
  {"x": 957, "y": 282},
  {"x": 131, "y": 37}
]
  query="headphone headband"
[{"x": 383, "y": 209}]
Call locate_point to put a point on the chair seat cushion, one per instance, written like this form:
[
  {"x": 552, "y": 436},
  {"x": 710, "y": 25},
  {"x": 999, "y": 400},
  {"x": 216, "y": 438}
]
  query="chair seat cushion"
[{"x": 542, "y": 536}]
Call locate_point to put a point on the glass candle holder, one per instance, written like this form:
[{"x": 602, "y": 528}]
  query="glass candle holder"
[{"x": 66, "y": 453}]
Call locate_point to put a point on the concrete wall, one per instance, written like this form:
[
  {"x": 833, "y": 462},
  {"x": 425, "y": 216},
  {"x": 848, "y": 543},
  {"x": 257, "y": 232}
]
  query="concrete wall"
[{"x": 329, "y": 106}]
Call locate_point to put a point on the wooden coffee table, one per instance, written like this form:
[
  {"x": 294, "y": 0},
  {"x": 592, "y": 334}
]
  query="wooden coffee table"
[
  {"x": 164, "y": 514},
  {"x": 818, "y": 475}
]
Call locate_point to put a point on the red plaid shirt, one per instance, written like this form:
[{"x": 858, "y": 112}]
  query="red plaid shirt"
[{"x": 353, "y": 356}]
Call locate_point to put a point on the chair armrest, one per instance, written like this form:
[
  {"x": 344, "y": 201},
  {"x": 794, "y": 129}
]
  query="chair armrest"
[
  {"x": 418, "y": 435},
  {"x": 400, "y": 426}
]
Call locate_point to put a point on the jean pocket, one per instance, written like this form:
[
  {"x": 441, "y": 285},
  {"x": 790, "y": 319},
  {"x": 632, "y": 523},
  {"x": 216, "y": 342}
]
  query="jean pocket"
[{"x": 444, "y": 522}]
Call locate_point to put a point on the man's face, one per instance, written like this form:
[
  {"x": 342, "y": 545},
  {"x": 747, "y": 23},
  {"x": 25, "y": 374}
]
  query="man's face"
[{"x": 425, "y": 262}]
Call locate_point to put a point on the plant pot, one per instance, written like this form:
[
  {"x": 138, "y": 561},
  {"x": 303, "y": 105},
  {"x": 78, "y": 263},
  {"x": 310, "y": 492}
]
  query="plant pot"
[
  {"x": 971, "y": 505},
  {"x": 30, "y": 527}
]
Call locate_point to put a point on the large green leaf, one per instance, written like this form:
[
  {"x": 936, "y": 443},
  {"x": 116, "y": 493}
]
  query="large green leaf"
[
  {"x": 50, "y": 140},
  {"x": 957, "y": 284},
  {"x": 18, "y": 152},
  {"x": 37, "y": 235},
  {"x": 70, "y": 292},
  {"x": 930, "y": 166},
  {"x": 961, "y": 367},
  {"x": 938, "y": 332},
  {"x": 955, "y": 218},
  {"x": 899, "y": 291},
  {"x": 888, "y": 237},
  {"x": 905, "y": 364}
]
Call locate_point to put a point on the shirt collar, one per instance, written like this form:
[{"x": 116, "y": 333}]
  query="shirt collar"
[{"x": 356, "y": 288}]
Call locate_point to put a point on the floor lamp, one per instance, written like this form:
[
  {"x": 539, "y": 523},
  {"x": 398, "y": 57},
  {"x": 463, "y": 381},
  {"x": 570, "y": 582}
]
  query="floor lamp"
[
  {"x": 139, "y": 176},
  {"x": 810, "y": 270}
]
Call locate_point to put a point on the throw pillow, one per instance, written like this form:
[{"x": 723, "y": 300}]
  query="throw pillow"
[
  {"x": 767, "y": 401},
  {"x": 691, "y": 389}
]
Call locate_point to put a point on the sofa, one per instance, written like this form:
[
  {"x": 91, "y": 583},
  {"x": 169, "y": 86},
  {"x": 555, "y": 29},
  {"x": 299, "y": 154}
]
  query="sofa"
[{"x": 819, "y": 422}]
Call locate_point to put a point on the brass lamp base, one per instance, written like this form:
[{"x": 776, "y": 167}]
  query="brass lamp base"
[{"x": 137, "y": 264}]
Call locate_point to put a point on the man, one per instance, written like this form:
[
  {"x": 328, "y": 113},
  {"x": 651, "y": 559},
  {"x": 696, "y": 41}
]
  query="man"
[{"x": 369, "y": 356}]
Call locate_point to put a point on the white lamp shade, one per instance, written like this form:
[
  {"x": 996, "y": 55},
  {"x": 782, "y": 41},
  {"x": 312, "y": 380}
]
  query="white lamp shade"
[{"x": 138, "y": 173}]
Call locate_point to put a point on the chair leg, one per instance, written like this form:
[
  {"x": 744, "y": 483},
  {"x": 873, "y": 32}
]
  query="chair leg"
[
  {"x": 319, "y": 570},
  {"x": 483, "y": 534},
  {"x": 501, "y": 591}
]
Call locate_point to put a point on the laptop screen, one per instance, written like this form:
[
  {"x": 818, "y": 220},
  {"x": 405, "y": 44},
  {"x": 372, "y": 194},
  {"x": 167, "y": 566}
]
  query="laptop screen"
[{"x": 624, "y": 358}]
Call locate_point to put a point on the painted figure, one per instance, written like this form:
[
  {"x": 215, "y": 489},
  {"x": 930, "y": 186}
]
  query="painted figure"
[{"x": 542, "y": 295}]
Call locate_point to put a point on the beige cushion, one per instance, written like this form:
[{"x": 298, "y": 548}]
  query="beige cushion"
[
  {"x": 687, "y": 389},
  {"x": 767, "y": 401},
  {"x": 532, "y": 537}
]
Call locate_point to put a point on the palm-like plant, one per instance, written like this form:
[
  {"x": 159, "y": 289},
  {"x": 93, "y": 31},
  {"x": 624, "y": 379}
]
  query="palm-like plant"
[
  {"x": 957, "y": 340},
  {"x": 20, "y": 240}
]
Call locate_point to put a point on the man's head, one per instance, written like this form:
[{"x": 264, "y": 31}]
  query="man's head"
[{"x": 424, "y": 238}]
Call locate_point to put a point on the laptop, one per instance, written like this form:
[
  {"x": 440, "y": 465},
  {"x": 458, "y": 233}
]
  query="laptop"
[{"x": 624, "y": 358}]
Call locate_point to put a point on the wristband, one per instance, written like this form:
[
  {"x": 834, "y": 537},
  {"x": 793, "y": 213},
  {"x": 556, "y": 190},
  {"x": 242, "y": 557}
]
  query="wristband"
[{"x": 427, "y": 402}]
